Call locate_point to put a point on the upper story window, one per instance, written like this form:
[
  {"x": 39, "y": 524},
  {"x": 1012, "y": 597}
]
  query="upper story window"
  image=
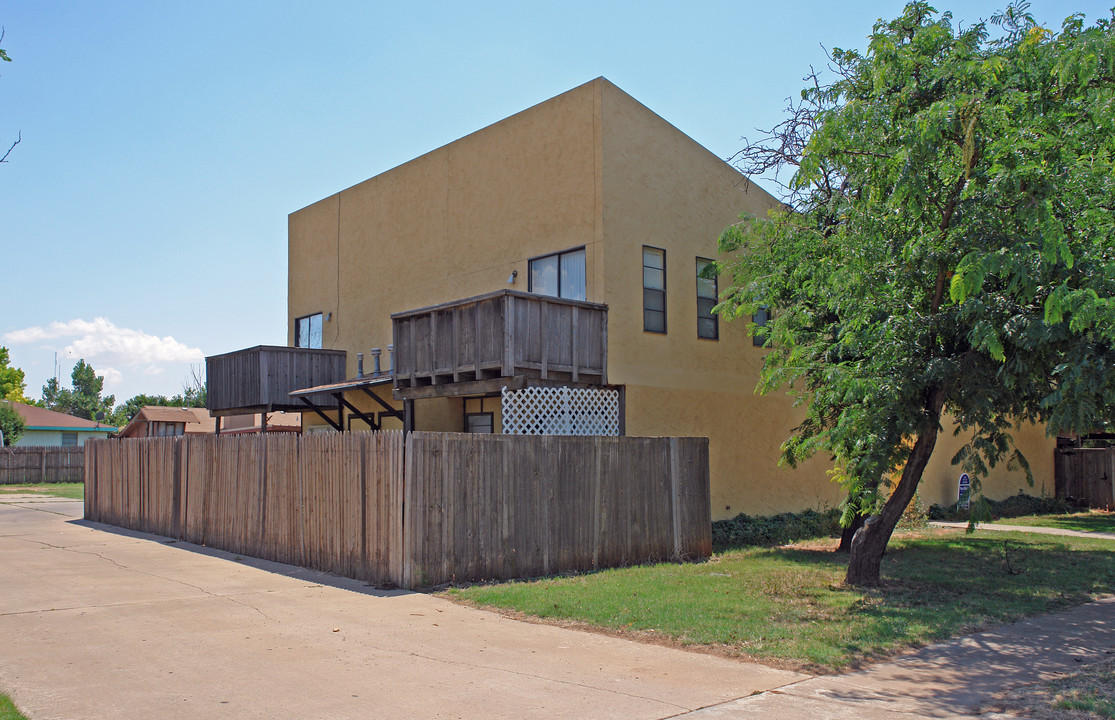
[
  {"x": 707, "y": 325},
  {"x": 559, "y": 275},
  {"x": 307, "y": 331},
  {"x": 654, "y": 289}
]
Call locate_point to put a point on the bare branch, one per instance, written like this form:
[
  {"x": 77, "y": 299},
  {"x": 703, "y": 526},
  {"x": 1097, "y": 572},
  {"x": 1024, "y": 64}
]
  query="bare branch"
[{"x": 17, "y": 141}]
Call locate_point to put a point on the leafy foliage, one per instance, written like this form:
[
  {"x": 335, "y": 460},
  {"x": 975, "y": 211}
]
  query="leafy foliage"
[
  {"x": 12, "y": 384},
  {"x": 770, "y": 531},
  {"x": 193, "y": 395},
  {"x": 84, "y": 399},
  {"x": 12, "y": 424},
  {"x": 947, "y": 246},
  {"x": 1014, "y": 506}
]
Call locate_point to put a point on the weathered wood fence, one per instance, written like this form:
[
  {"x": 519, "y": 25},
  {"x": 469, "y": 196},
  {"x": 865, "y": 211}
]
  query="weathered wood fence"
[
  {"x": 41, "y": 465},
  {"x": 1086, "y": 474},
  {"x": 413, "y": 511}
]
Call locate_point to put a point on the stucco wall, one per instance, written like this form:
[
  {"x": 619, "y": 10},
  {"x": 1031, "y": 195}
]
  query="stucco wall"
[
  {"x": 941, "y": 477},
  {"x": 594, "y": 168},
  {"x": 448, "y": 225},
  {"x": 662, "y": 189}
]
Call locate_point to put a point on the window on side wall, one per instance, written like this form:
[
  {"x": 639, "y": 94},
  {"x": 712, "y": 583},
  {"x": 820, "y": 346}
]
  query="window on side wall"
[
  {"x": 307, "y": 331},
  {"x": 762, "y": 319},
  {"x": 708, "y": 326},
  {"x": 654, "y": 289},
  {"x": 69, "y": 439},
  {"x": 559, "y": 275}
]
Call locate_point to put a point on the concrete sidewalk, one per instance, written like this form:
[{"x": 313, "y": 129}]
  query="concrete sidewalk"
[
  {"x": 946, "y": 680},
  {"x": 997, "y": 527},
  {"x": 103, "y": 623}
]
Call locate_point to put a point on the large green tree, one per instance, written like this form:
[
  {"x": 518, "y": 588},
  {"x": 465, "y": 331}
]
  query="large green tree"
[
  {"x": 12, "y": 424},
  {"x": 946, "y": 247},
  {"x": 12, "y": 383},
  {"x": 84, "y": 399}
]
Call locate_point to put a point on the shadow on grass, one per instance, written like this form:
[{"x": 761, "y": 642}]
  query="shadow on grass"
[
  {"x": 1095, "y": 522},
  {"x": 936, "y": 588}
]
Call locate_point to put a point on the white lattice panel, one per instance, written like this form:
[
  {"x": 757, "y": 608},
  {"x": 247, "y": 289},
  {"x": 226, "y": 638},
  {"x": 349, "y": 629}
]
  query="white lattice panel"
[{"x": 560, "y": 411}]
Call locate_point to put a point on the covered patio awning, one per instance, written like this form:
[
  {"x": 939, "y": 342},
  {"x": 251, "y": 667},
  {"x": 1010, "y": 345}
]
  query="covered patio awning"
[{"x": 311, "y": 398}]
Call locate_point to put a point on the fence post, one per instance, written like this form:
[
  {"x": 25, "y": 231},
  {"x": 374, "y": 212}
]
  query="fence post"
[{"x": 675, "y": 475}]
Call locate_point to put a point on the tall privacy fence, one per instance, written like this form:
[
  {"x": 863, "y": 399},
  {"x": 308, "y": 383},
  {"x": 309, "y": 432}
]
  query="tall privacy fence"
[
  {"x": 1086, "y": 474},
  {"x": 416, "y": 510},
  {"x": 41, "y": 465}
]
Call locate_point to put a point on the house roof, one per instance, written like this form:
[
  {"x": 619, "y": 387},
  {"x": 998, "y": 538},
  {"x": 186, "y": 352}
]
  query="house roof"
[
  {"x": 159, "y": 413},
  {"x": 197, "y": 420},
  {"x": 38, "y": 418}
]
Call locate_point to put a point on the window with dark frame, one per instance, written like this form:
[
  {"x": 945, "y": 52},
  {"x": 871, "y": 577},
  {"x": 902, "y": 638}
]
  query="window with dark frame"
[
  {"x": 481, "y": 422},
  {"x": 708, "y": 326},
  {"x": 476, "y": 419},
  {"x": 654, "y": 289},
  {"x": 559, "y": 275},
  {"x": 762, "y": 319},
  {"x": 307, "y": 331}
]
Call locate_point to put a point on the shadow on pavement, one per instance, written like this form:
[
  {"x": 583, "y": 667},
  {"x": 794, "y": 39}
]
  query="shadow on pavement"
[{"x": 317, "y": 577}]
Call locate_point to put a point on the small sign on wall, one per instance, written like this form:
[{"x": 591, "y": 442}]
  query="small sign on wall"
[{"x": 964, "y": 492}]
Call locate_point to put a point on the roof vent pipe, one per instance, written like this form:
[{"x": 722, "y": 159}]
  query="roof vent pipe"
[
  {"x": 391, "y": 354},
  {"x": 359, "y": 364},
  {"x": 375, "y": 361}
]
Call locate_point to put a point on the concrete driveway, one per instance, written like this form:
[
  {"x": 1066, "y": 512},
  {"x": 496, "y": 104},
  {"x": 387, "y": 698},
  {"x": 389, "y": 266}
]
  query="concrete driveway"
[{"x": 98, "y": 622}]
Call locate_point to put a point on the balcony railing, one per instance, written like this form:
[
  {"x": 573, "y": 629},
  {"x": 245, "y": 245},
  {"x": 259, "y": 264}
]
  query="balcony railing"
[
  {"x": 502, "y": 338},
  {"x": 260, "y": 379}
]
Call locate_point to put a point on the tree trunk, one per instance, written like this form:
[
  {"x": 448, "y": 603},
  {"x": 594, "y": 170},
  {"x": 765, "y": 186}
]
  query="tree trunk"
[
  {"x": 848, "y": 533},
  {"x": 871, "y": 540}
]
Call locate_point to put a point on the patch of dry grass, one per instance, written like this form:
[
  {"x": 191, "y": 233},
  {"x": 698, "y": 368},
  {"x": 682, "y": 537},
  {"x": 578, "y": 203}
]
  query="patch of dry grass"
[{"x": 1086, "y": 694}]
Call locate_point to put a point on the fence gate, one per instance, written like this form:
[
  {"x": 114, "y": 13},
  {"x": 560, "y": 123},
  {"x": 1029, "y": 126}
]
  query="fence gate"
[{"x": 560, "y": 411}]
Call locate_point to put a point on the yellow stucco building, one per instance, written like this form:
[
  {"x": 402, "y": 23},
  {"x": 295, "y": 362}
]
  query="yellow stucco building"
[{"x": 591, "y": 198}]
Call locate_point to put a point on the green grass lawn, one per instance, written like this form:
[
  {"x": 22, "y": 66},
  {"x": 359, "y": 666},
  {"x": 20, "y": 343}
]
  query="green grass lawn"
[
  {"x": 788, "y": 606},
  {"x": 8, "y": 709},
  {"x": 73, "y": 491},
  {"x": 1091, "y": 521}
]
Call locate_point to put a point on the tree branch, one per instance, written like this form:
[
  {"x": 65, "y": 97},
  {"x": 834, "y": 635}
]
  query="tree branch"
[{"x": 17, "y": 141}]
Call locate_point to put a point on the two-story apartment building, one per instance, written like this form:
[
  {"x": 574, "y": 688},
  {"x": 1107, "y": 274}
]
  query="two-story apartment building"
[{"x": 561, "y": 247}]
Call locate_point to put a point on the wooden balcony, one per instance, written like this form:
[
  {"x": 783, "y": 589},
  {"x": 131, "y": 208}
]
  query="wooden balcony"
[
  {"x": 505, "y": 338},
  {"x": 260, "y": 379}
]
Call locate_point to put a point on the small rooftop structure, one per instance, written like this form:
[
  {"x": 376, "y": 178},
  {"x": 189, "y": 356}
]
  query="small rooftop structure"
[
  {"x": 260, "y": 379},
  {"x": 164, "y": 421}
]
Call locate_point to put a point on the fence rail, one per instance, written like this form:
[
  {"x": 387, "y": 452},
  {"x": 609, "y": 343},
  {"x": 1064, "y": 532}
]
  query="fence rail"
[
  {"x": 1086, "y": 474},
  {"x": 413, "y": 511},
  {"x": 20, "y": 465}
]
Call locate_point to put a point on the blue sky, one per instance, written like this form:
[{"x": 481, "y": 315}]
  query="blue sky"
[{"x": 143, "y": 215}]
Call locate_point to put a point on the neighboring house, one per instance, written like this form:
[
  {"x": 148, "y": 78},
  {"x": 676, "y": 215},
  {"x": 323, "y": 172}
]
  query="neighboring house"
[
  {"x": 165, "y": 421},
  {"x": 47, "y": 428},
  {"x": 545, "y": 274}
]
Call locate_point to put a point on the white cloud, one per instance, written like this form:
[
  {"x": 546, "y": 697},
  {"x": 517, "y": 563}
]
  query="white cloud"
[
  {"x": 112, "y": 377},
  {"x": 101, "y": 343}
]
